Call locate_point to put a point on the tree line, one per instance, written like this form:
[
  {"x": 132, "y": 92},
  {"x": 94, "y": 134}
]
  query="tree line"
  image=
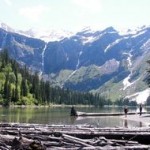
[{"x": 20, "y": 86}]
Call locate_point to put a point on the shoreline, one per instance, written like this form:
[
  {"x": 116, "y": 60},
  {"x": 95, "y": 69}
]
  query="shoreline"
[
  {"x": 42, "y": 106},
  {"x": 143, "y": 119},
  {"x": 64, "y": 105}
]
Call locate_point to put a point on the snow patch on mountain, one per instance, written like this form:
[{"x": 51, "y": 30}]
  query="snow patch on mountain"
[
  {"x": 90, "y": 39},
  {"x": 88, "y": 30},
  {"x": 132, "y": 31},
  {"x": 138, "y": 34},
  {"x": 89, "y": 35},
  {"x": 112, "y": 44},
  {"x": 70, "y": 75},
  {"x": 6, "y": 27},
  {"x": 48, "y": 35},
  {"x": 146, "y": 45},
  {"x": 126, "y": 82},
  {"x": 140, "y": 97}
]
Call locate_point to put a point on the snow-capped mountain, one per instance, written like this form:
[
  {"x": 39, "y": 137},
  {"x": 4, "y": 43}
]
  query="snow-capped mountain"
[
  {"x": 106, "y": 61},
  {"x": 6, "y": 27},
  {"x": 47, "y": 35}
]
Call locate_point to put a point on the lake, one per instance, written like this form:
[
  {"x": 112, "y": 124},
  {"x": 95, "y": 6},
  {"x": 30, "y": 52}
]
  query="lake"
[{"x": 61, "y": 115}]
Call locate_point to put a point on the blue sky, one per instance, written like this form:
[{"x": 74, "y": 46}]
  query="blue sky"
[{"x": 74, "y": 14}]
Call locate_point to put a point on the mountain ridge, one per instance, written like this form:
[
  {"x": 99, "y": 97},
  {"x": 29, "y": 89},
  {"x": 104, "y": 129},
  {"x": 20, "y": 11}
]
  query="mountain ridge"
[{"x": 87, "y": 60}]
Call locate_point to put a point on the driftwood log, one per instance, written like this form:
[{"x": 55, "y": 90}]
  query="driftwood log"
[
  {"x": 84, "y": 114},
  {"x": 46, "y": 137}
]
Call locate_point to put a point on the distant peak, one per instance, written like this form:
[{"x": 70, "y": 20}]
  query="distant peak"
[
  {"x": 48, "y": 34},
  {"x": 133, "y": 30},
  {"x": 110, "y": 29},
  {"x": 6, "y": 27},
  {"x": 85, "y": 29}
]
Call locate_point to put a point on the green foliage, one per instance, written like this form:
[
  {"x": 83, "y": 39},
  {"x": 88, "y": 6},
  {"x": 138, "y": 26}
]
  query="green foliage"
[
  {"x": 26, "y": 100},
  {"x": 18, "y": 86}
]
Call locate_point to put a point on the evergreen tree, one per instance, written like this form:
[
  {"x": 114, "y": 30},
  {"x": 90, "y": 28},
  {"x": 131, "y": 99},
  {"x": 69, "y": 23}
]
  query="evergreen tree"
[
  {"x": 24, "y": 87},
  {"x": 19, "y": 86}
]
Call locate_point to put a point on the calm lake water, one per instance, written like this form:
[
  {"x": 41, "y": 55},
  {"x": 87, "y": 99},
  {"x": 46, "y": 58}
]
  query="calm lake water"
[{"x": 61, "y": 115}]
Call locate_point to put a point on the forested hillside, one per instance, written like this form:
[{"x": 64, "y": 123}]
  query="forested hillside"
[
  {"x": 21, "y": 87},
  {"x": 96, "y": 61}
]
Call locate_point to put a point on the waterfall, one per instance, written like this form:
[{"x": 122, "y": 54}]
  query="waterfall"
[
  {"x": 43, "y": 53},
  {"x": 126, "y": 81}
]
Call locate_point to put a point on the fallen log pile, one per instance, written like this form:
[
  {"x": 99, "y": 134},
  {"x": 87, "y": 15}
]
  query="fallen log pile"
[{"x": 63, "y": 137}]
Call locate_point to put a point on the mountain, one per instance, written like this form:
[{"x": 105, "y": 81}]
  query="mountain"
[
  {"x": 104, "y": 61},
  {"x": 6, "y": 27},
  {"x": 21, "y": 87},
  {"x": 47, "y": 35},
  {"x": 43, "y": 34}
]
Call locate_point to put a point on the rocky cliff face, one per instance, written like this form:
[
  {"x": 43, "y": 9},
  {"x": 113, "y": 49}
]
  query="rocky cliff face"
[{"x": 98, "y": 61}]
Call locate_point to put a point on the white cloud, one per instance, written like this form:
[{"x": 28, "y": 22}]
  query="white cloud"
[
  {"x": 89, "y": 5},
  {"x": 8, "y": 2},
  {"x": 33, "y": 13}
]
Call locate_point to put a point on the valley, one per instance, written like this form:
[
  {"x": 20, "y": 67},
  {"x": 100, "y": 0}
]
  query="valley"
[{"x": 101, "y": 61}]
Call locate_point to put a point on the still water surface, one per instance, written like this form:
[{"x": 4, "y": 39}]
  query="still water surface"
[{"x": 61, "y": 115}]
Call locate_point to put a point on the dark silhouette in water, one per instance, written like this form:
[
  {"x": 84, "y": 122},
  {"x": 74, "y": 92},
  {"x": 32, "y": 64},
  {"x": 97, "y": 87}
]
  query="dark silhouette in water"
[
  {"x": 140, "y": 125},
  {"x": 73, "y": 111},
  {"x": 125, "y": 123},
  {"x": 140, "y": 109},
  {"x": 125, "y": 111}
]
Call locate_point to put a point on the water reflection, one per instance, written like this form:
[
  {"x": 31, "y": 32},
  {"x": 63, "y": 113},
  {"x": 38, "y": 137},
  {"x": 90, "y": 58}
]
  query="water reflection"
[
  {"x": 59, "y": 115},
  {"x": 140, "y": 124},
  {"x": 125, "y": 123},
  {"x": 73, "y": 119}
]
